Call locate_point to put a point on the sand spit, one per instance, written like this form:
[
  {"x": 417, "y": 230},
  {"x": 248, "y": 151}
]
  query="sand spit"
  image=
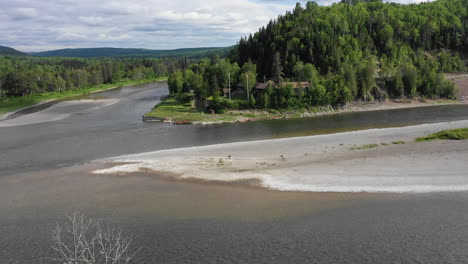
[
  {"x": 324, "y": 163},
  {"x": 57, "y": 112}
]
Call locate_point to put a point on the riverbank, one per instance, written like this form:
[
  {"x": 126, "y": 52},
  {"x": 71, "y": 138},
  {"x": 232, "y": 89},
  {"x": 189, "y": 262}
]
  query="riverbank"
[
  {"x": 377, "y": 160},
  {"x": 9, "y": 106},
  {"x": 171, "y": 111}
]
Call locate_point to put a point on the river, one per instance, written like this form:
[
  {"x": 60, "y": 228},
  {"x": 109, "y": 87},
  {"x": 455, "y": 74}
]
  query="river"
[
  {"x": 45, "y": 174},
  {"x": 118, "y": 129}
]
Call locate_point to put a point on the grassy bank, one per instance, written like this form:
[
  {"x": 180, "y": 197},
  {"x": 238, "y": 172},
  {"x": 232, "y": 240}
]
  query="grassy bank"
[
  {"x": 11, "y": 104},
  {"x": 172, "y": 110},
  {"x": 456, "y": 134}
]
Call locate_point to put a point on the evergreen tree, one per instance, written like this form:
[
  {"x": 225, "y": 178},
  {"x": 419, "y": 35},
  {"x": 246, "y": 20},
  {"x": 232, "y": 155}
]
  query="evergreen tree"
[{"x": 277, "y": 69}]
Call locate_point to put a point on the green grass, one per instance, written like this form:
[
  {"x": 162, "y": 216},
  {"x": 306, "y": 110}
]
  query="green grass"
[
  {"x": 10, "y": 104},
  {"x": 367, "y": 146},
  {"x": 455, "y": 134},
  {"x": 171, "y": 109}
]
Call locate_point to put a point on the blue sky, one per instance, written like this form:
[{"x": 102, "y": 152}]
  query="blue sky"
[{"x": 33, "y": 25}]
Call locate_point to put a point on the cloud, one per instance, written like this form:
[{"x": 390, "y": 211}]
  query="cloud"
[{"x": 32, "y": 25}]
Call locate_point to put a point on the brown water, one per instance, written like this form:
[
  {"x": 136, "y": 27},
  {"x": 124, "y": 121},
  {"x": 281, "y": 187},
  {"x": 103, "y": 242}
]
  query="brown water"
[{"x": 189, "y": 222}]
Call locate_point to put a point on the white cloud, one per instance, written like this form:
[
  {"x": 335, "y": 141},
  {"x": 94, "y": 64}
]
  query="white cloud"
[
  {"x": 24, "y": 12},
  {"x": 33, "y": 25},
  {"x": 92, "y": 20}
]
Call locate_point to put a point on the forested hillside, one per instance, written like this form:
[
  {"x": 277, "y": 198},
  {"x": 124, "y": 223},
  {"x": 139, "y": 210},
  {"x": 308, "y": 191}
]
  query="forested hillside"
[
  {"x": 363, "y": 46},
  {"x": 352, "y": 50},
  {"x": 144, "y": 53},
  {"x": 7, "y": 51}
]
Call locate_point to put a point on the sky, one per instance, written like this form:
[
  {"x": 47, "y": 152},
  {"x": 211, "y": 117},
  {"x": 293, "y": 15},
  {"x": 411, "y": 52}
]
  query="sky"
[{"x": 38, "y": 25}]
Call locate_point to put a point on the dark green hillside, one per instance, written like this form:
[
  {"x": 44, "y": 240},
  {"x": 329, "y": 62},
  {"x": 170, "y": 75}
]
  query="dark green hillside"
[
  {"x": 6, "y": 51},
  {"x": 367, "y": 47},
  {"x": 117, "y": 52}
]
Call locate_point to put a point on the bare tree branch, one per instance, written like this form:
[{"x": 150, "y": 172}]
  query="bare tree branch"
[{"x": 84, "y": 241}]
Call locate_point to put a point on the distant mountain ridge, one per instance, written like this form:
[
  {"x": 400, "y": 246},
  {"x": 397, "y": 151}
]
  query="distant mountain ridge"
[
  {"x": 123, "y": 52},
  {"x": 7, "y": 51}
]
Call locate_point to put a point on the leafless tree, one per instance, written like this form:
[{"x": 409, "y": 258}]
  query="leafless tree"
[{"x": 83, "y": 241}]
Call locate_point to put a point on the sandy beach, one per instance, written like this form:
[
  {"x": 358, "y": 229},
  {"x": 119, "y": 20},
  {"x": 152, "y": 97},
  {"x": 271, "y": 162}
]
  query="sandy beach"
[{"x": 325, "y": 163}]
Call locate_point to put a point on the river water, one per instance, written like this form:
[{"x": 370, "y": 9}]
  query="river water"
[{"x": 45, "y": 175}]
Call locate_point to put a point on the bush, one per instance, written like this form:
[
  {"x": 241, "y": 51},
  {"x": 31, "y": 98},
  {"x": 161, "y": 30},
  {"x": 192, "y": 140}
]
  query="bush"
[
  {"x": 223, "y": 104},
  {"x": 184, "y": 98}
]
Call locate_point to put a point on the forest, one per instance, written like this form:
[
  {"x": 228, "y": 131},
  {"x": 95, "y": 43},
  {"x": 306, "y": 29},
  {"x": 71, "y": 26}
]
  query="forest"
[
  {"x": 354, "y": 50},
  {"x": 22, "y": 76}
]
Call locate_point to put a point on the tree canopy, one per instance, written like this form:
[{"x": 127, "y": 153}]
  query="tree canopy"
[
  {"x": 21, "y": 76},
  {"x": 368, "y": 44}
]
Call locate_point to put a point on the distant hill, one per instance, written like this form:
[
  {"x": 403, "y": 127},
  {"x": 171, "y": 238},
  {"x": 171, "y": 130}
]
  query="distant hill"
[
  {"x": 11, "y": 52},
  {"x": 119, "y": 52}
]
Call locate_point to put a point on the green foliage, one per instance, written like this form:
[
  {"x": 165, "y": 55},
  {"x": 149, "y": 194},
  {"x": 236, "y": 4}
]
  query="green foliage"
[
  {"x": 456, "y": 134},
  {"x": 23, "y": 76},
  {"x": 410, "y": 79},
  {"x": 277, "y": 69},
  {"x": 248, "y": 81},
  {"x": 176, "y": 82},
  {"x": 230, "y": 105},
  {"x": 367, "y": 146},
  {"x": 9, "y": 104}
]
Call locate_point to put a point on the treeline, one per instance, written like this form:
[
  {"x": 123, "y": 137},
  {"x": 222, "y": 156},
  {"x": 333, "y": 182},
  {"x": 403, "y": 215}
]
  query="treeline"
[
  {"x": 353, "y": 50},
  {"x": 20, "y": 76}
]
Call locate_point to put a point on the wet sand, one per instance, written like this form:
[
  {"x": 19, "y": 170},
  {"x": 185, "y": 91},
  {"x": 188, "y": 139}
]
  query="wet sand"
[{"x": 326, "y": 163}]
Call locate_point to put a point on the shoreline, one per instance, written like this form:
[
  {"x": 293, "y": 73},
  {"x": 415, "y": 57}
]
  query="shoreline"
[
  {"x": 8, "y": 114},
  {"x": 351, "y": 162},
  {"x": 242, "y": 116}
]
